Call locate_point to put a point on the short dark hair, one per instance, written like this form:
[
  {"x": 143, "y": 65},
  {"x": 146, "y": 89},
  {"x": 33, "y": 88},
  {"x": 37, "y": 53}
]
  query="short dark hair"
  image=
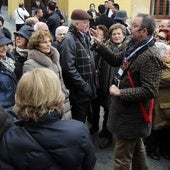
[
  {"x": 2, "y": 20},
  {"x": 51, "y": 5},
  {"x": 148, "y": 22},
  {"x": 37, "y": 10},
  {"x": 21, "y": 5},
  {"x": 105, "y": 30},
  {"x": 101, "y": 9},
  {"x": 116, "y": 6},
  {"x": 92, "y": 4}
]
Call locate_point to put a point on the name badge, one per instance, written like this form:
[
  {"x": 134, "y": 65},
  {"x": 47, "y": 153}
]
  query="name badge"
[{"x": 120, "y": 72}]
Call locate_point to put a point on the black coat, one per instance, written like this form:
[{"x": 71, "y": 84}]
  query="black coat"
[
  {"x": 66, "y": 141},
  {"x": 78, "y": 66},
  {"x": 19, "y": 62},
  {"x": 104, "y": 20},
  {"x": 53, "y": 21}
]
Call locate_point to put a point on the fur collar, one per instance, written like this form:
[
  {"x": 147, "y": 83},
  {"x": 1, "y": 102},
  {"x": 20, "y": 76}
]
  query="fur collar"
[{"x": 44, "y": 59}]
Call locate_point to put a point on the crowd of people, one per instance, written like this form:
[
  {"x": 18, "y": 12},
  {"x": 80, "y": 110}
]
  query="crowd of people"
[{"x": 55, "y": 78}]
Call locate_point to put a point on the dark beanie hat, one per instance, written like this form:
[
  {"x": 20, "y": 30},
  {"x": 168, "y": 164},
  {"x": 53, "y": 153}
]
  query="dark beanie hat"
[
  {"x": 79, "y": 14},
  {"x": 25, "y": 31}
]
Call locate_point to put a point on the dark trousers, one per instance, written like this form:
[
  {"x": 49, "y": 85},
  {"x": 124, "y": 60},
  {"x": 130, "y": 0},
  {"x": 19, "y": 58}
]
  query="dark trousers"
[
  {"x": 80, "y": 108},
  {"x": 96, "y": 116},
  {"x": 18, "y": 26}
]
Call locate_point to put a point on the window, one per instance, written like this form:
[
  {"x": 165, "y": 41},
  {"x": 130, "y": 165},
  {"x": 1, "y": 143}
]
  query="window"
[{"x": 160, "y": 9}]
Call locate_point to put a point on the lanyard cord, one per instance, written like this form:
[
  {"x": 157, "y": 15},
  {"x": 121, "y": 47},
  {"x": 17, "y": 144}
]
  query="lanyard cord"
[{"x": 147, "y": 115}]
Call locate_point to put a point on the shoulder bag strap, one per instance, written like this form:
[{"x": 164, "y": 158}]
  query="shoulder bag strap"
[
  {"x": 20, "y": 16},
  {"x": 38, "y": 145}
]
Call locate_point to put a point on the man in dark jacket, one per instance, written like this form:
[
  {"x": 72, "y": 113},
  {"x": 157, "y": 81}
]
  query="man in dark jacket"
[
  {"x": 53, "y": 20},
  {"x": 78, "y": 66},
  {"x": 136, "y": 83},
  {"x": 103, "y": 19}
]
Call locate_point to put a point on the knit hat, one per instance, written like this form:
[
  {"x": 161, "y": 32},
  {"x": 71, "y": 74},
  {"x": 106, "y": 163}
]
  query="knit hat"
[
  {"x": 3, "y": 39},
  {"x": 79, "y": 14},
  {"x": 121, "y": 15},
  {"x": 25, "y": 31}
]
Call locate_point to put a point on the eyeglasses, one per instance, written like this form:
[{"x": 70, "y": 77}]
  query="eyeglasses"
[
  {"x": 160, "y": 37},
  {"x": 135, "y": 26}
]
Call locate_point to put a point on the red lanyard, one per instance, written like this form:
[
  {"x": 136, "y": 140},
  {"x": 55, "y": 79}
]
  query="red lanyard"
[{"x": 147, "y": 115}]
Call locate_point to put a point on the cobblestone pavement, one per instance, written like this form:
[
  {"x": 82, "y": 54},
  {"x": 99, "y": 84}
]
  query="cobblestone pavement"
[{"x": 104, "y": 156}]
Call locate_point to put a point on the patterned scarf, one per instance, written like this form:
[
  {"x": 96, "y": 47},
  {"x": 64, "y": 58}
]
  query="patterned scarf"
[{"x": 8, "y": 63}]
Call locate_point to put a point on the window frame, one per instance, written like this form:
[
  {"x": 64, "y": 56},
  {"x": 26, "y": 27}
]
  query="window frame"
[{"x": 155, "y": 5}]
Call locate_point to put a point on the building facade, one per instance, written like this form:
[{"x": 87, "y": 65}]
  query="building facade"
[{"x": 160, "y": 9}]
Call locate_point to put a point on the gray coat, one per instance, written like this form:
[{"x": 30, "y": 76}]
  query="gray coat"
[
  {"x": 125, "y": 117},
  {"x": 37, "y": 59}
]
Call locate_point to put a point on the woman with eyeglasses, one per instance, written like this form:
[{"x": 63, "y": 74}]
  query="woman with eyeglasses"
[{"x": 42, "y": 54}]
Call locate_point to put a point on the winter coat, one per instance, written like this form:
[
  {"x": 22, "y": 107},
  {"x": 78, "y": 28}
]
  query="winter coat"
[
  {"x": 125, "y": 117},
  {"x": 162, "y": 101},
  {"x": 53, "y": 21},
  {"x": 66, "y": 141},
  {"x": 37, "y": 59},
  {"x": 8, "y": 84},
  {"x": 20, "y": 56},
  {"x": 107, "y": 72},
  {"x": 92, "y": 20},
  {"x": 78, "y": 65},
  {"x": 104, "y": 20}
]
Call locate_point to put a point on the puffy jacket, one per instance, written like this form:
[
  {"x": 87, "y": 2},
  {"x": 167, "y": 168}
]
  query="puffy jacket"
[{"x": 66, "y": 141}]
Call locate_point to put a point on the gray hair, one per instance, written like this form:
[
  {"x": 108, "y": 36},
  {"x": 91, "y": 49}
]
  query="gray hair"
[
  {"x": 116, "y": 26},
  {"x": 58, "y": 29},
  {"x": 36, "y": 26},
  {"x": 148, "y": 22}
]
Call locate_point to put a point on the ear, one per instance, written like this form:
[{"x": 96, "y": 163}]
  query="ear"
[{"x": 145, "y": 30}]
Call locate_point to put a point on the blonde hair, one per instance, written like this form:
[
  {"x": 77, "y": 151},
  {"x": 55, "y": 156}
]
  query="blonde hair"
[
  {"x": 38, "y": 92},
  {"x": 37, "y": 37}
]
